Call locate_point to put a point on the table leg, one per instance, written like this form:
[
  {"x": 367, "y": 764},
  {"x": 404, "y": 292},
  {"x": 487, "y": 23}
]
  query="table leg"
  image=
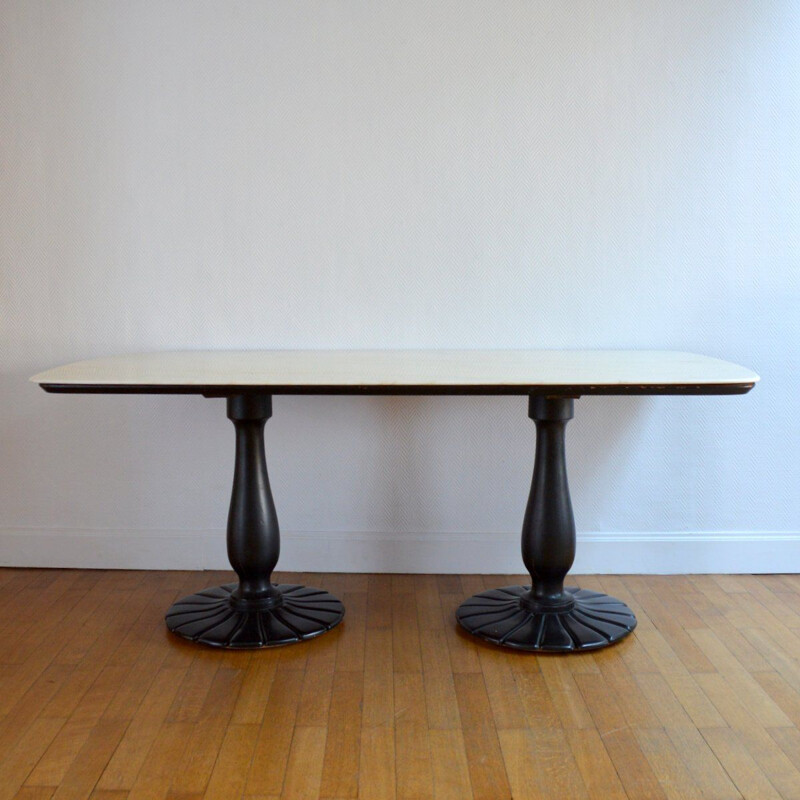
[
  {"x": 547, "y": 616},
  {"x": 255, "y": 612}
]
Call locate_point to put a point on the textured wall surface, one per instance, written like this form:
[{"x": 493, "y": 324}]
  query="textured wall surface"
[{"x": 399, "y": 174}]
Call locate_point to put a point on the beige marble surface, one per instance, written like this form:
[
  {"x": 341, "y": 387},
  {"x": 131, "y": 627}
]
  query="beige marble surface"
[{"x": 402, "y": 368}]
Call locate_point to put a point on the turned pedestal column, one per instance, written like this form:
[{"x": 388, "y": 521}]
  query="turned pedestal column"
[
  {"x": 254, "y": 612},
  {"x": 547, "y": 615}
]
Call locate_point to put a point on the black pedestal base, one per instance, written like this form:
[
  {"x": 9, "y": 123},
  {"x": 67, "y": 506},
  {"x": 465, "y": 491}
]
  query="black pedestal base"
[
  {"x": 215, "y": 617},
  {"x": 502, "y": 616}
]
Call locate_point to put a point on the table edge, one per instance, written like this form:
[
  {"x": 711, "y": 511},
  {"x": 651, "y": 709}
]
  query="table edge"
[{"x": 553, "y": 390}]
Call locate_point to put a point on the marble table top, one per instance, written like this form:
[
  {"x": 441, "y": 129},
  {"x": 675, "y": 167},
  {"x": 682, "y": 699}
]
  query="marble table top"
[{"x": 558, "y": 372}]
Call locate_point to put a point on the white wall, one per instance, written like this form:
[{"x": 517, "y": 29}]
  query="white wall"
[{"x": 350, "y": 174}]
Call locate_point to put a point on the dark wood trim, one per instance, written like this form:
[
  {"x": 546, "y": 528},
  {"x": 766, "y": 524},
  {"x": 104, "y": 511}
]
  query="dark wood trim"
[{"x": 520, "y": 390}]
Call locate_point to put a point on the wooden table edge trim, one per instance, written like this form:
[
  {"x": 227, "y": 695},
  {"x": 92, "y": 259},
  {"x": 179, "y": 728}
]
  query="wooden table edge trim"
[{"x": 521, "y": 390}]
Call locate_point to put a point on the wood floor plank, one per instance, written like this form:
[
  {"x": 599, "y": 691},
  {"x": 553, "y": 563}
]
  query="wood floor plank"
[
  {"x": 142, "y": 649},
  {"x": 597, "y": 770},
  {"x": 704, "y": 767},
  {"x": 229, "y": 775},
  {"x": 194, "y": 689},
  {"x": 17, "y": 763},
  {"x": 788, "y": 739},
  {"x": 414, "y": 774},
  {"x": 315, "y": 697},
  {"x": 268, "y": 767},
  {"x": 606, "y": 714},
  {"x": 404, "y": 584},
  {"x": 378, "y": 691},
  {"x": 667, "y": 765},
  {"x": 737, "y": 708},
  {"x": 376, "y": 765},
  {"x": 86, "y": 711},
  {"x": 740, "y": 765},
  {"x": 675, "y": 592},
  {"x": 450, "y": 584},
  {"x": 764, "y": 618},
  {"x": 501, "y": 687},
  {"x": 304, "y": 768},
  {"x": 100, "y": 701},
  {"x": 662, "y": 652},
  {"x": 158, "y": 770},
  {"x": 449, "y": 762},
  {"x": 785, "y": 697},
  {"x": 35, "y": 793},
  {"x": 785, "y": 665},
  {"x": 441, "y": 702},
  {"x": 29, "y": 704},
  {"x": 57, "y": 651},
  {"x": 340, "y": 764},
  {"x": 540, "y": 765},
  {"x": 486, "y": 766},
  {"x": 536, "y": 699},
  {"x": 413, "y": 767},
  {"x": 20, "y": 640},
  {"x": 730, "y": 583},
  {"x": 567, "y": 698},
  {"x": 717, "y": 616},
  {"x": 98, "y": 633},
  {"x": 624, "y": 690},
  {"x": 351, "y": 657},
  {"x": 774, "y": 763},
  {"x": 632, "y": 766},
  {"x": 429, "y": 604},
  {"x": 193, "y": 770},
  {"x": 379, "y": 602},
  {"x": 780, "y": 606},
  {"x": 683, "y": 685},
  {"x": 139, "y": 736},
  {"x": 463, "y": 649},
  {"x": 405, "y": 633},
  {"x": 630, "y": 649},
  {"x": 667, "y": 707},
  {"x": 251, "y": 702},
  {"x": 84, "y": 772}
]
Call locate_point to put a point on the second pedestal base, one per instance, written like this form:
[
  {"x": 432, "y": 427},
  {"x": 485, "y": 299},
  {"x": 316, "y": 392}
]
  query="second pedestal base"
[
  {"x": 214, "y": 617},
  {"x": 502, "y": 617}
]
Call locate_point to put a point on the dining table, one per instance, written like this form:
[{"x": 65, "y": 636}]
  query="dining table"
[{"x": 543, "y": 615}]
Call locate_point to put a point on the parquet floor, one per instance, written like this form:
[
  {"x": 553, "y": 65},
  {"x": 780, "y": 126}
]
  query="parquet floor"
[{"x": 98, "y": 700}]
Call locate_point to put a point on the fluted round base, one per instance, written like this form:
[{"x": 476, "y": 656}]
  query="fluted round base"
[
  {"x": 500, "y": 616},
  {"x": 214, "y": 617}
]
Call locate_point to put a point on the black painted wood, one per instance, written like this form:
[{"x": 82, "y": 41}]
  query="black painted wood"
[
  {"x": 253, "y": 533},
  {"x": 547, "y": 616},
  {"x": 548, "y": 529},
  {"x": 255, "y": 612},
  {"x": 556, "y": 390}
]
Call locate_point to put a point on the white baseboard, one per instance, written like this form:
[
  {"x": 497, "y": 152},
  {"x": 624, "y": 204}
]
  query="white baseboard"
[{"x": 647, "y": 552}]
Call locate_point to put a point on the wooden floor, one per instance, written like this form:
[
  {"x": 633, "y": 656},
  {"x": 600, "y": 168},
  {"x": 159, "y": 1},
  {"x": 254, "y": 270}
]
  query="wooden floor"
[{"x": 98, "y": 700}]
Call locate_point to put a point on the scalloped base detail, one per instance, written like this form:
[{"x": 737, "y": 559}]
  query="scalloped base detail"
[
  {"x": 209, "y": 617},
  {"x": 498, "y": 616}
]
